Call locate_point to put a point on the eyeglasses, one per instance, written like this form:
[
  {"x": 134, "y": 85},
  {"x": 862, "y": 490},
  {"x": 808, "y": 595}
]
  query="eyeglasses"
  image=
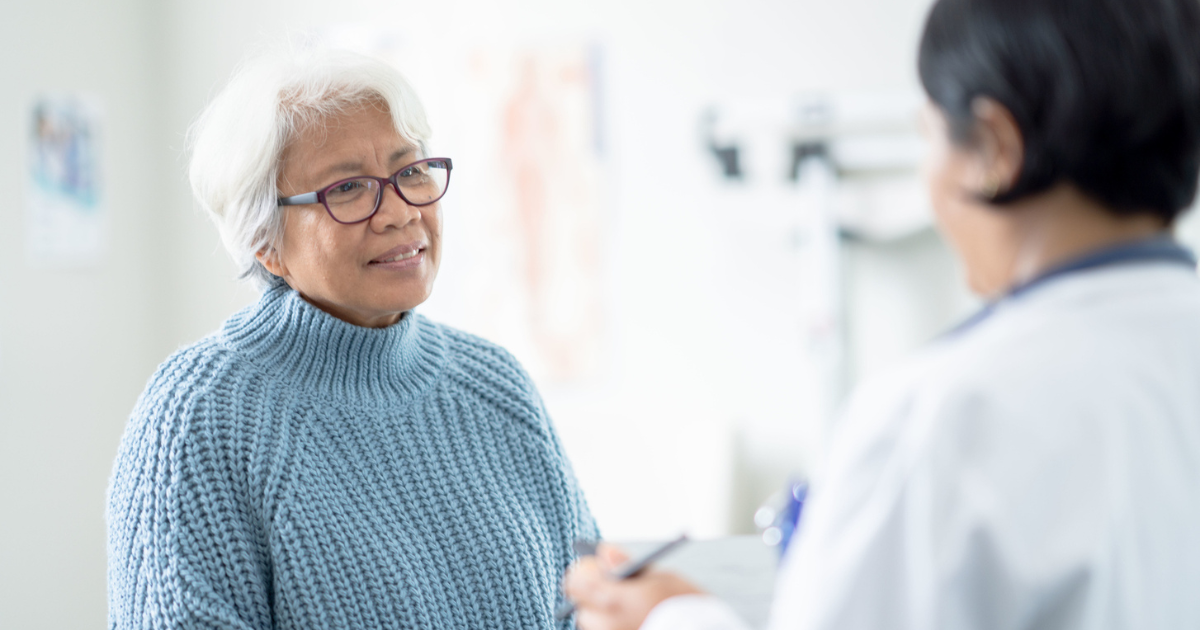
[{"x": 357, "y": 199}]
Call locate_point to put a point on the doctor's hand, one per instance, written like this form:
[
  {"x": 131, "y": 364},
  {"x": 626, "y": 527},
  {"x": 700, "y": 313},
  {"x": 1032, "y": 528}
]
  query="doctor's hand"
[{"x": 604, "y": 603}]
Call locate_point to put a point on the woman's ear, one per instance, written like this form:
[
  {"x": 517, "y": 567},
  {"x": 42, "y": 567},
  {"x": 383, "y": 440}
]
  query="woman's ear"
[
  {"x": 269, "y": 258},
  {"x": 1000, "y": 146}
]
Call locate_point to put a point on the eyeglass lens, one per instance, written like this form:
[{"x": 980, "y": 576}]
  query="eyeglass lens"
[{"x": 356, "y": 199}]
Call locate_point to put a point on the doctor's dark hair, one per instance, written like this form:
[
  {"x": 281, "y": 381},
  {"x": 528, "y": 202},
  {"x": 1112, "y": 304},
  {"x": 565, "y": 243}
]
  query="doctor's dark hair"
[{"x": 1106, "y": 92}]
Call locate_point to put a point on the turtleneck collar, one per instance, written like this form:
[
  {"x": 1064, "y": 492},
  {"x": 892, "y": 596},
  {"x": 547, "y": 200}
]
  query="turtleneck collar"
[{"x": 285, "y": 335}]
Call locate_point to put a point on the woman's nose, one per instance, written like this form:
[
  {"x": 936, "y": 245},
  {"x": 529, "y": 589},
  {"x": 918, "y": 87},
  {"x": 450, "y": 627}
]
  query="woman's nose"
[{"x": 393, "y": 211}]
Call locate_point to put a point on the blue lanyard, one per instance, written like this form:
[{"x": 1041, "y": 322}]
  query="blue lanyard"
[{"x": 1157, "y": 249}]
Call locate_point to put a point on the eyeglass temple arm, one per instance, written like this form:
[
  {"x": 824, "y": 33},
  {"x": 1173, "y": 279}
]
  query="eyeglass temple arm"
[{"x": 299, "y": 200}]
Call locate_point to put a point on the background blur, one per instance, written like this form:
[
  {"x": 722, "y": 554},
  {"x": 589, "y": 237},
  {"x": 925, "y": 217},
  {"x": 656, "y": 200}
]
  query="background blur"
[{"x": 693, "y": 319}]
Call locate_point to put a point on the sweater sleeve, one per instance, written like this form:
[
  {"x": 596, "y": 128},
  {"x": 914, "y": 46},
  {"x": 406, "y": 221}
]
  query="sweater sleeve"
[{"x": 185, "y": 542}]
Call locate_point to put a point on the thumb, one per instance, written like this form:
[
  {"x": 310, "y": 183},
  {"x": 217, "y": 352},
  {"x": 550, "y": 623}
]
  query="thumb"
[{"x": 610, "y": 556}]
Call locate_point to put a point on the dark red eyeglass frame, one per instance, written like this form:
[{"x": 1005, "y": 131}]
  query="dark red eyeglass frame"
[{"x": 319, "y": 196}]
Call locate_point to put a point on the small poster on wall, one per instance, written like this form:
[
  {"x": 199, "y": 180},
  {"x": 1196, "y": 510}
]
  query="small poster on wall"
[{"x": 66, "y": 217}]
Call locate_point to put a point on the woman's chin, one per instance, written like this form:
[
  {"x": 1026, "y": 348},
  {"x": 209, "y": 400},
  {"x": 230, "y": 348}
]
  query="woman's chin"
[{"x": 374, "y": 315}]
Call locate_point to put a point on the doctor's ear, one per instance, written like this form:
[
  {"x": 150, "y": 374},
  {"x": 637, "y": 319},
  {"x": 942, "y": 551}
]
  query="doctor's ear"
[
  {"x": 998, "y": 145},
  {"x": 269, "y": 258}
]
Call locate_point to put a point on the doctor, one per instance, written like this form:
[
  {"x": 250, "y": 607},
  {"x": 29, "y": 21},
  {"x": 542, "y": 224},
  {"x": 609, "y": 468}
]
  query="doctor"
[{"x": 1039, "y": 466}]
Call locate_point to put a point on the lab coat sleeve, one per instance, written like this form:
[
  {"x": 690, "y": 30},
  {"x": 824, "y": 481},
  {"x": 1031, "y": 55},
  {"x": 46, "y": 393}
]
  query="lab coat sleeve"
[
  {"x": 896, "y": 534},
  {"x": 693, "y": 612}
]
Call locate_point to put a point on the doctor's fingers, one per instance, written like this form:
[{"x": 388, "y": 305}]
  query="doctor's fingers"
[
  {"x": 614, "y": 606},
  {"x": 607, "y": 604},
  {"x": 611, "y": 556},
  {"x": 589, "y": 619},
  {"x": 604, "y": 603},
  {"x": 588, "y": 583}
]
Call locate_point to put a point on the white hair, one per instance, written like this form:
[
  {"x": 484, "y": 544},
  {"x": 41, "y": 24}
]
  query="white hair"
[{"x": 237, "y": 143}]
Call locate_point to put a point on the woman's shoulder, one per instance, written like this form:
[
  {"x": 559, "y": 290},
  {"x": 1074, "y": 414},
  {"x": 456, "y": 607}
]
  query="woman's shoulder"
[
  {"x": 195, "y": 381},
  {"x": 183, "y": 418},
  {"x": 466, "y": 348},
  {"x": 480, "y": 364},
  {"x": 462, "y": 342},
  {"x": 187, "y": 369},
  {"x": 193, "y": 367}
]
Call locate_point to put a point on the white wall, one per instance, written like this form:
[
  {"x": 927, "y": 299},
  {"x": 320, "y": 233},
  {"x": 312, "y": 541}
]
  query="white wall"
[{"x": 76, "y": 346}]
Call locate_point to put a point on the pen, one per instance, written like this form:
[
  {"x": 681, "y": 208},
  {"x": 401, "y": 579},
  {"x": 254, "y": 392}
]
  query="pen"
[{"x": 624, "y": 572}]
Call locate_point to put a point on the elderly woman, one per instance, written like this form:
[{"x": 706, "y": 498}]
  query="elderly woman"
[
  {"x": 328, "y": 458},
  {"x": 1039, "y": 467}
]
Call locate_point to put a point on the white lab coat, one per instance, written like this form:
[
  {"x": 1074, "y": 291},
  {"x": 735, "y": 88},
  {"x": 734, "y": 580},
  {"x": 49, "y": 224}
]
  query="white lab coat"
[{"x": 1039, "y": 470}]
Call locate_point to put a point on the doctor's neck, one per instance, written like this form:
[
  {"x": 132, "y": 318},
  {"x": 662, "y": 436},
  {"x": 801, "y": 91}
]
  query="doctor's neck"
[{"x": 1043, "y": 231}]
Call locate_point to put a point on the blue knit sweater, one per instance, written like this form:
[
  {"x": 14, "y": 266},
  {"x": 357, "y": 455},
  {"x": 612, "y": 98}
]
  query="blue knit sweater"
[{"x": 296, "y": 471}]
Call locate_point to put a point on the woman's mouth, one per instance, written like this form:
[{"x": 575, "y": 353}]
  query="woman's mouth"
[{"x": 401, "y": 257}]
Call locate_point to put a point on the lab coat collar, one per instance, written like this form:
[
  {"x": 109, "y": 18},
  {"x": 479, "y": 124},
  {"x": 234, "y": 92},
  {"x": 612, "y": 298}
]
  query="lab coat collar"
[{"x": 1159, "y": 249}]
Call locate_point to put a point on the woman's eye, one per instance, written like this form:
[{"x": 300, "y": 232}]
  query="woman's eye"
[
  {"x": 348, "y": 191},
  {"x": 417, "y": 171}
]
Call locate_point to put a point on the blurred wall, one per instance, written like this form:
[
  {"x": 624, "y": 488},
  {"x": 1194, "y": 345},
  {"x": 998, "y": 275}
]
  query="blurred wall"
[{"x": 76, "y": 345}]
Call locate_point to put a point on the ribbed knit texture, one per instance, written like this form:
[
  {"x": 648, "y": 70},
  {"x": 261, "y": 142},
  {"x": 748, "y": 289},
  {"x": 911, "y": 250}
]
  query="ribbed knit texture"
[{"x": 296, "y": 471}]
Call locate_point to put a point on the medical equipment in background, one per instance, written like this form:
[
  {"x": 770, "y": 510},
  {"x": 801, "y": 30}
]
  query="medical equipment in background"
[{"x": 823, "y": 168}]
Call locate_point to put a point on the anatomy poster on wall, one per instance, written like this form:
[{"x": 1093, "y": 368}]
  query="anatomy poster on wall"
[{"x": 65, "y": 211}]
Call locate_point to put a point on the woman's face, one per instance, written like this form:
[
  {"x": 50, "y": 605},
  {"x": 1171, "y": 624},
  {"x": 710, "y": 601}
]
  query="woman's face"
[
  {"x": 979, "y": 234},
  {"x": 365, "y": 273}
]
